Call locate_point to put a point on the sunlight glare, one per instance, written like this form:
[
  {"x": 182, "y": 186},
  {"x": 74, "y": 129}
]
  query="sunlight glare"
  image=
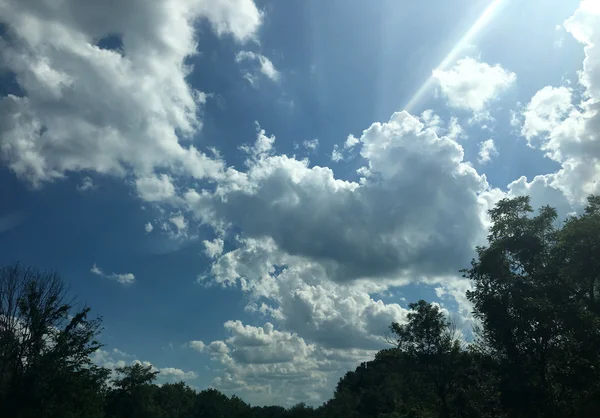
[{"x": 481, "y": 22}]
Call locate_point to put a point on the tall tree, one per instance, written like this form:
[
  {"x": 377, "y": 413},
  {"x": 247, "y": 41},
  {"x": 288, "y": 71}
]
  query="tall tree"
[
  {"x": 534, "y": 291},
  {"x": 133, "y": 393},
  {"x": 45, "y": 347}
]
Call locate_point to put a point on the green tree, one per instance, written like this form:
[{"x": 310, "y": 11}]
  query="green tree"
[
  {"x": 431, "y": 347},
  {"x": 45, "y": 348},
  {"x": 133, "y": 393},
  {"x": 534, "y": 291}
]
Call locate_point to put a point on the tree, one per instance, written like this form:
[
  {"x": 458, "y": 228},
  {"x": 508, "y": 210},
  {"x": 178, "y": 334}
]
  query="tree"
[
  {"x": 45, "y": 348},
  {"x": 534, "y": 291},
  {"x": 133, "y": 394},
  {"x": 430, "y": 347}
]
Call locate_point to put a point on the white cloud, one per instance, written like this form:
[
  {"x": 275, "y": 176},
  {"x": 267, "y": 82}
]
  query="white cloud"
[
  {"x": 117, "y": 358},
  {"x": 455, "y": 131},
  {"x": 336, "y": 155},
  {"x": 155, "y": 188},
  {"x": 569, "y": 134},
  {"x": 213, "y": 248},
  {"x": 472, "y": 85},
  {"x": 148, "y": 227},
  {"x": 241, "y": 18},
  {"x": 197, "y": 345},
  {"x": 123, "y": 278},
  {"x": 180, "y": 223},
  {"x": 311, "y": 145},
  {"x": 86, "y": 184},
  {"x": 300, "y": 296},
  {"x": 268, "y": 366},
  {"x": 108, "y": 111},
  {"x": 546, "y": 110},
  {"x": 266, "y": 67},
  {"x": 351, "y": 141},
  {"x": 487, "y": 150},
  {"x": 361, "y": 230},
  {"x": 174, "y": 374}
]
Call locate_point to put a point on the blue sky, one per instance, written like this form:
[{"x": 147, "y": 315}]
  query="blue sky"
[{"x": 238, "y": 187}]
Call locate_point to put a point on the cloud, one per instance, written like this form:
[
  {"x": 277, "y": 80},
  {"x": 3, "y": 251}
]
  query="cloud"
[
  {"x": 116, "y": 358},
  {"x": 265, "y": 66},
  {"x": 180, "y": 223},
  {"x": 111, "y": 111},
  {"x": 86, "y": 184},
  {"x": 487, "y": 150},
  {"x": 311, "y": 145},
  {"x": 569, "y": 133},
  {"x": 546, "y": 110},
  {"x": 197, "y": 345},
  {"x": 123, "y": 278},
  {"x": 241, "y": 18},
  {"x": 472, "y": 85},
  {"x": 361, "y": 230},
  {"x": 298, "y": 295},
  {"x": 213, "y": 248},
  {"x": 155, "y": 188},
  {"x": 148, "y": 227},
  {"x": 267, "y": 366}
]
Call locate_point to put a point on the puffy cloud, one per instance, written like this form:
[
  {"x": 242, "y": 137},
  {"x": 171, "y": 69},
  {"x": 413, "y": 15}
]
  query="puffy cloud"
[
  {"x": 148, "y": 227},
  {"x": 268, "y": 366},
  {"x": 123, "y": 278},
  {"x": 487, "y": 150},
  {"x": 109, "y": 110},
  {"x": 417, "y": 213},
  {"x": 297, "y": 294},
  {"x": 569, "y": 134},
  {"x": 155, "y": 188},
  {"x": 213, "y": 248},
  {"x": 546, "y": 110},
  {"x": 197, "y": 345},
  {"x": 351, "y": 141},
  {"x": 471, "y": 84},
  {"x": 265, "y": 66},
  {"x": 241, "y": 18}
]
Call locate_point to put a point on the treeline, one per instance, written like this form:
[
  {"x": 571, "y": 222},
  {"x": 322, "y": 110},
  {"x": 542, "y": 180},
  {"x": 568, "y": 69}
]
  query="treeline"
[{"x": 536, "y": 350}]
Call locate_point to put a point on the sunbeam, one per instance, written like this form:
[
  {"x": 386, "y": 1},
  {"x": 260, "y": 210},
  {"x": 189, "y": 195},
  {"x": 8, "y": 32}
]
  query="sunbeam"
[{"x": 479, "y": 24}]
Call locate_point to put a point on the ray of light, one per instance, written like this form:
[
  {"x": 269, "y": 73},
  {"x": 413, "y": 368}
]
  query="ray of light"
[{"x": 481, "y": 22}]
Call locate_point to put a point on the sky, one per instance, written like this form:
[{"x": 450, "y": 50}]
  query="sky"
[{"x": 250, "y": 192}]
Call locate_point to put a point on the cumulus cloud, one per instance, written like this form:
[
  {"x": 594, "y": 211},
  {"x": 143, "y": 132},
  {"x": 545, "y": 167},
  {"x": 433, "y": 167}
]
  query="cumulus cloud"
[
  {"x": 213, "y": 248},
  {"x": 297, "y": 294},
  {"x": 123, "y": 278},
  {"x": 472, "y": 85},
  {"x": 155, "y": 188},
  {"x": 546, "y": 110},
  {"x": 265, "y": 66},
  {"x": 569, "y": 133},
  {"x": 487, "y": 150},
  {"x": 107, "y": 110},
  {"x": 371, "y": 229},
  {"x": 265, "y": 365}
]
